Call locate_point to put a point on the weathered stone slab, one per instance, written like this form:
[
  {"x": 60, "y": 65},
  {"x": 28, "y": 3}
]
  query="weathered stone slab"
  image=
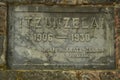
[
  {"x": 67, "y": 2},
  {"x": 3, "y": 15},
  {"x": 42, "y": 37}
]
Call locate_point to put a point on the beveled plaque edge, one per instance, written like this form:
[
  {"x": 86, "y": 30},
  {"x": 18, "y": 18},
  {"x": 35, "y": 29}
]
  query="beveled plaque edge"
[{"x": 12, "y": 10}]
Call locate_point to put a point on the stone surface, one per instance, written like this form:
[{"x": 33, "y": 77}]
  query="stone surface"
[
  {"x": 117, "y": 1},
  {"x": 21, "y": 44},
  {"x": 59, "y": 75},
  {"x": 117, "y": 30},
  {"x": 3, "y": 15},
  {"x": 95, "y": 1},
  {"x": 67, "y": 2},
  {"x": 42, "y": 37},
  {"x": 24, "y": 11}
]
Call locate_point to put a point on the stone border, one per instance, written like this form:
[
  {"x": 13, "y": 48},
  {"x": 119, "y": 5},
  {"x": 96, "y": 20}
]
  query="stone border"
[
  {"x": 63, "y": 2},
  {"x": 62, "y": 75},
  {"x": 3, "y": 38}
]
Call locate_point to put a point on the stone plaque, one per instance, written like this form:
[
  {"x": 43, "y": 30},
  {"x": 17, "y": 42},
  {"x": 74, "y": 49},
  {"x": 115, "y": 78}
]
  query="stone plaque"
[{"x": 52, "y": 37}]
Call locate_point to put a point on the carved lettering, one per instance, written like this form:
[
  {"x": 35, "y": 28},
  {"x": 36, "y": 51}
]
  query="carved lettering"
[
  {"x": 63, "y": 22},
  {"x": 76, "y": 22},
  {"x": 80, "y": 37},
  {"x": 66, "y": 20},
  {"x": 43, "y": 37}
]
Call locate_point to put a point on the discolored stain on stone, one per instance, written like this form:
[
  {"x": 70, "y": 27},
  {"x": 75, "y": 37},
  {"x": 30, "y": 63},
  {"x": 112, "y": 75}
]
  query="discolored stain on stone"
[
  {"x": 107, "y": 75},
  {"x": 11, "y": 75},
  {"x": 59, "y": 75},
  {"x": 87, "y": 75},
  {"x": 2, "y": 75},
  {"x": 118, "y": 75},
  {"x": 46, "y": 75},
  {"x": 3, "y": 15},
  {"x": 95, "y": 1},
  {"x": 117, "y": 1},
  {"x": 117, "y": 36}
]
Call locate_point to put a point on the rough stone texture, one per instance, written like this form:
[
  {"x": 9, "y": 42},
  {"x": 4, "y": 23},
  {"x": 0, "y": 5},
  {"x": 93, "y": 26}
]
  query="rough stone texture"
[
  {"x": 47, "y": 75},
  {"x": 28, "y": 50},
  {"x": 62, "y": 74},
  {"x": 117, "y": 1},
  {"x": 3, "y": 14},
  {"x": 59, "y": 75},
  {"x": 117, "y": 32},
  {"x": 69, "y": 2},
  {"x": 95, "y": 1}
]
